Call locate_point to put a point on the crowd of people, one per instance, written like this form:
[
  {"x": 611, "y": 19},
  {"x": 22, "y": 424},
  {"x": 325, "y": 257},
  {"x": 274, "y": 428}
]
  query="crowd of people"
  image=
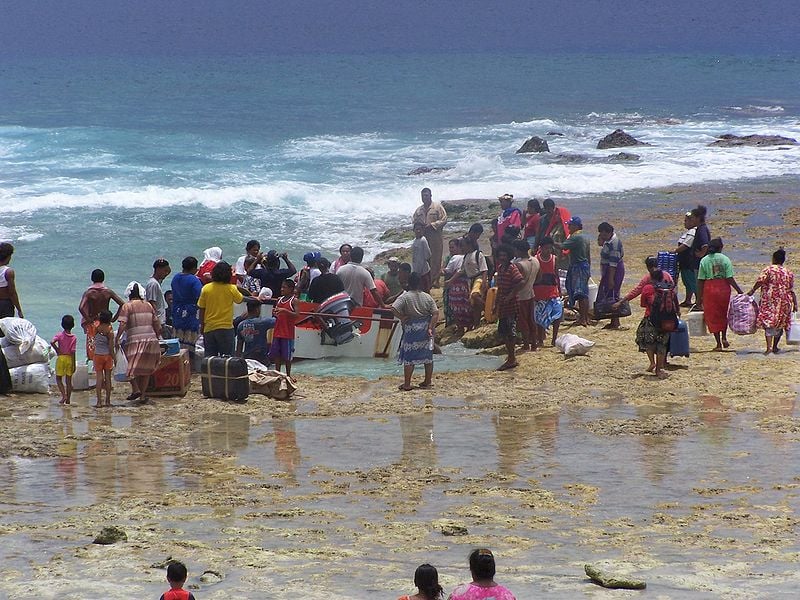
[{"x": 537, "y": 265}]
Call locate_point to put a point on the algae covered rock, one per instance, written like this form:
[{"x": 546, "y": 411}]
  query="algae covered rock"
[
  {"x": 482, "y": 337},
  {"x": 535, "y": 144},
  {"x": 604, "y": 576},
  {"x": 210, "y": 577},
  {"x": 110, "y": 535}
]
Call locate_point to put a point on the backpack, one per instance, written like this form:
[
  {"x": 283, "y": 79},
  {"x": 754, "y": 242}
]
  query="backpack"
[{"x": 664, "y": 310}]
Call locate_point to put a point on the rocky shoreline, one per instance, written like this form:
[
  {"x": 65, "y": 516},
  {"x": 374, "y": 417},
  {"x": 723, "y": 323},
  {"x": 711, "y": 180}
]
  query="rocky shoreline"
[{"x": 687, "y": 482}]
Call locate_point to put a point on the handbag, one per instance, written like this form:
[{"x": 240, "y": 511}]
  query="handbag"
[{"x": 603, "y": 309}]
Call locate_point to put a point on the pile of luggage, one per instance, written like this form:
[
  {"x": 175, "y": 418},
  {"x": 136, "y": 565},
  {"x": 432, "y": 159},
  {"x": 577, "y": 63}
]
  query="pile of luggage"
[{"x": 28, "y": 356}]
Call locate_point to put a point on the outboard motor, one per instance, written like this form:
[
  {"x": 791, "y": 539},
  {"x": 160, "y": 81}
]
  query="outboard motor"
[{"x": 337, "y": 329}]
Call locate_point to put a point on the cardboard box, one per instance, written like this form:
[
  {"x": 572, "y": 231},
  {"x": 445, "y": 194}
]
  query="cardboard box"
[{"x": 172, "y": 377}]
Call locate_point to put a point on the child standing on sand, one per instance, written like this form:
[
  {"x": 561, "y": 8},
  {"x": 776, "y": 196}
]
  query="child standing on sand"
[
  {"x": 103, "y": 359},
  {"x": 65, "y": 345},
  {"x": 176, "y": 576},
  {"x": 285, "y": 313}
]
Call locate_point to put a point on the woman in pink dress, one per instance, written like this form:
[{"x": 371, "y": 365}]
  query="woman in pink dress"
[
  {"x": 483, "y": 586},
  {"x": 142, "y": 351},
  {"x": 778, "y": 299}
]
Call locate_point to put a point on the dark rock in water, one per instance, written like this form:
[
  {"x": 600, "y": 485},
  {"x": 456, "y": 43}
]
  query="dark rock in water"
[
  {"x": 472, "y": 210},
  {"x": 211, "y": 577},
  {"x": 163, "y": 564},
  {"x": 731, "y": 141},
  {"x": 568, "y": 158},
  {"x": 618, "y": 139},
  {"x": 558, "y": 133},
  {"x": 535, "y": 144},
  {"x": 669, "y": 121},
  {"x": 404, "y": 254},
  {"x": 615, "y": 582},
  {"x": 426, "y": 170},
  {"x": 110, "y": 535},
  {"x": 623, "y": 157},
  {"x": 451, "y": 529}
]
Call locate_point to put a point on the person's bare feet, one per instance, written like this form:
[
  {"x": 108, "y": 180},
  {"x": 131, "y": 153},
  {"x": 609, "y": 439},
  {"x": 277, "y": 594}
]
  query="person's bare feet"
[
  {"x": 717, "y": 349},
  {"x": 662, "y": 375},
  {"x": 651, "y": 368},
  {"x": 726, "y": 344},
  {"x": 507, "y": 365}
]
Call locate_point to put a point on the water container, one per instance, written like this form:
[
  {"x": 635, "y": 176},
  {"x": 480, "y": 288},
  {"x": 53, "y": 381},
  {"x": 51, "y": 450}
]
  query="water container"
[
  {"x": 679, "y": 340},
  {"x": 696, "y": 324},
  {"x": 793, "y": 333},
  {"x": 489, "y": 311},
  {"x": 592, "y": 293}
]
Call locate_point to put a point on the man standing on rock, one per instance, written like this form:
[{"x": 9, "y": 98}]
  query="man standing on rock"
[{"x": 433, "y": 216}]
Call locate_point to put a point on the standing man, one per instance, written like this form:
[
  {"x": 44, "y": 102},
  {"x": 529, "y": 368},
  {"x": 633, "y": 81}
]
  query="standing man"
[
  {"x": 579, "y": 270},
  {"x": 509, "y": 283},
  {"x": 253, "y": 248},
  {"x": 433, "y": 217},
  {"x": 154, "y": 294},
  {"x": 96, "y": 299},
  {"x": 357, "y": 280}
]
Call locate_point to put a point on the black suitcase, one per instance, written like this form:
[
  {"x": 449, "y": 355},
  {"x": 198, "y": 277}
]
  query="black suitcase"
[{"x": 225, "y": 377}]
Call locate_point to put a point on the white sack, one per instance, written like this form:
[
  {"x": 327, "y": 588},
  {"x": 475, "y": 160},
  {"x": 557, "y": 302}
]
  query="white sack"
[
  {"x": 41, "y": 352},
  {"x": 19, "y": 332},
  {"x": 33, "y": 379},
  {"x": 572, "y": 345}
]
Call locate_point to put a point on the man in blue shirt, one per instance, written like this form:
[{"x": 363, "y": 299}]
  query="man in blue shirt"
[{"x": 251, "y": 333}]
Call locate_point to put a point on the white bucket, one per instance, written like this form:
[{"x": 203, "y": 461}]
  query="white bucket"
[
  {"x": 592, "y": 294},
  {"x": 696, "y": 323},
  {"x": 82, "y": 379}
]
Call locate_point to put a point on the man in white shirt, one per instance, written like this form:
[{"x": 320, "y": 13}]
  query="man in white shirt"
[
  {"x": 433, "y": 216},
  {"x": 154, "y": 294},
  {"x": 356, "y": 279}
]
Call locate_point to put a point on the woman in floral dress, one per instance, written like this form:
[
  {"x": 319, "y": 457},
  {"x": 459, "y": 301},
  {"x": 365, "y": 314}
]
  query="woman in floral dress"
[{"x": 778, "y": 299}]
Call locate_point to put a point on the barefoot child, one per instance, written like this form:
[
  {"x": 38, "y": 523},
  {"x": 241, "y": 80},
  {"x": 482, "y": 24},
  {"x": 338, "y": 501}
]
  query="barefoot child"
[
  {"x": 285, "y": 313},
  {"x": 65, "y": 344},
  {"x": 176, "y": 576},
  {"x": 103, "y": 359}
]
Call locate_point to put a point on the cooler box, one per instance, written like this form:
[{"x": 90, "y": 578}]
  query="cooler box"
[
  {"x": 170, "y": 347},
  {"x": 225, "y": 377},
  {"x": 172, "y": 376},
  {"x": 679, "y": 340}
]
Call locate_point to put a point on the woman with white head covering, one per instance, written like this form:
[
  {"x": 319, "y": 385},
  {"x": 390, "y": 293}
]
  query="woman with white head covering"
[{"x": 211, "y": 256}]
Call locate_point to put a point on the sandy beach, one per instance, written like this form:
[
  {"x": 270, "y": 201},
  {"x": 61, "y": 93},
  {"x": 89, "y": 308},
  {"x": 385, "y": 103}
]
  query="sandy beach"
[{"x": 688, "y": 483}]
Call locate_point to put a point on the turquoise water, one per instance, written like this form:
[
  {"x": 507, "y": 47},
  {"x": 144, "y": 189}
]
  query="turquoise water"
[{"x": 112, "y": 162}]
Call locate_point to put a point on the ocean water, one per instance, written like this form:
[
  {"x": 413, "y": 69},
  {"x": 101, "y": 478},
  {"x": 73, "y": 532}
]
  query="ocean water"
[{"x": 111, "y": 162}]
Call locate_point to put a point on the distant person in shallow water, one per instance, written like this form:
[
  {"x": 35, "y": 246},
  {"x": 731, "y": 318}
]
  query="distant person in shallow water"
[
  {"x": 778, "y": 300},
  {"x": 9, "y": 300}
]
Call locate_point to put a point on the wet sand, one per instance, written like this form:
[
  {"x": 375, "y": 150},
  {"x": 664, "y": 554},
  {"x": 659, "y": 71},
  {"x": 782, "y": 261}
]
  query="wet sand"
[{"x": 689, "y": 483}]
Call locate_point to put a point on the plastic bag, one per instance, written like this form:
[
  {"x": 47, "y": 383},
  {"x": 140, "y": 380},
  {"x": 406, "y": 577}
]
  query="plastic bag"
[
  {"x": 32, "y": 379},
  {"x": 742, "y": 314},
  {"x": 274, "y": 384},
  {"x": 793, "y": 333},
  {"x": 19, "y": 332},
  {"x": 572, "y": 345},
  {"x": 121, "y": 368},
  {"x": 40, "y": 352}
]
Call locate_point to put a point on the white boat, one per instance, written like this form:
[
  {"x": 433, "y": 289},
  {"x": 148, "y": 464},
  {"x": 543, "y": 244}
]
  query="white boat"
[{"x": 334, "y": 329}]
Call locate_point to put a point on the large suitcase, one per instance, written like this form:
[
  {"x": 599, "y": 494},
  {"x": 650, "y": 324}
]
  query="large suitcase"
[
  {"x": 225, "y": 377},
  {"x": 679, "y": 340}
]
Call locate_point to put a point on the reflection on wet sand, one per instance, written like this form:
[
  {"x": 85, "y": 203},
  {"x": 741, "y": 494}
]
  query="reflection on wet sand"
[{"x": 515, "y": 431}]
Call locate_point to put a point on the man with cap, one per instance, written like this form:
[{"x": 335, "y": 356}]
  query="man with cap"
[
  {"x": 433, "y": 217},
  {"x": 578, "y": 245},
  {"x": 392, "y": 277},
  {"x": 272, "y": 276}
]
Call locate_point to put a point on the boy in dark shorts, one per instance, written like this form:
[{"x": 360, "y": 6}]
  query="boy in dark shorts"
[
  {"x": 285, "y": 313},
  {"x": 509, "y": 281}
]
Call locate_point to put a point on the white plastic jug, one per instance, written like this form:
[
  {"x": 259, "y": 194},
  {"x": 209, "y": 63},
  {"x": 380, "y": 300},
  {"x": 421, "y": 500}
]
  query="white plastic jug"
[
  {"x": 793, "y": 333},
  {"x": 696, "y": 323}
]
